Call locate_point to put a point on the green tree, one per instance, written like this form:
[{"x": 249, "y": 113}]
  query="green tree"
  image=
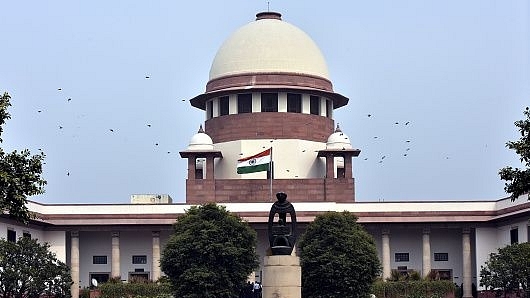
[
  {"x": 211, "y": 253},
  {"x": 28, "y": 270},
  {"x": 518, "y": 180},
  {"x": 508, "y": 269},
  {"x": 20, "y": 174},
  {"x": 338, "y": 257}
]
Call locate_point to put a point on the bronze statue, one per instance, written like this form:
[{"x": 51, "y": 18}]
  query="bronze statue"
[{"x": 282, "y": 237}]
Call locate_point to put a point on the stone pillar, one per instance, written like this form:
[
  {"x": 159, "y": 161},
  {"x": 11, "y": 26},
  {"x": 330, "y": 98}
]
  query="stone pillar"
[
  {"x": 191, "y": 168},
  {"x": 115, "y": 265},
  {"x": 426, "y": 253},
  {"x": 282, "y": 277},
  {"x": 466, "y": 260},
  {"x": 209, "y": 167},
  {"x": 330, "y": 167},
  {"x": 386, "y": 253},
  {"x": 348, "y": 169},
  {"x": 74, "y": 263},
  {"x": 155, "y": 270}
]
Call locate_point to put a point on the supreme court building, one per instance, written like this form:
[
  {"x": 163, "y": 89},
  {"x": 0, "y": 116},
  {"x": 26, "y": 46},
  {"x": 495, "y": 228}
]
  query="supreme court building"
[{"x": 269, "y": 87}]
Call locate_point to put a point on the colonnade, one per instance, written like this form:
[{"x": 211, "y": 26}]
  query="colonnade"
[
  {"x": 426, "y": 257},
  {"x": 115, "y": 258}
]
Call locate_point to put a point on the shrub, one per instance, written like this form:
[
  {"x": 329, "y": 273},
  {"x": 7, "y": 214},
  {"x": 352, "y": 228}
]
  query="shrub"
[{"x": 412, "y": 289}]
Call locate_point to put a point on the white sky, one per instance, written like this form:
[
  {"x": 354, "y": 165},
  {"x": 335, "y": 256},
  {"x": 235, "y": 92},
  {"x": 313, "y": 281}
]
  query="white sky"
[{"x": 458, "y": 71}]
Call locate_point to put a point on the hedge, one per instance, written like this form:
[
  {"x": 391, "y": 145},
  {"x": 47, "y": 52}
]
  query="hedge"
[
  {"x": 414, "y": 289},
  {"x": 135, "y": 290}
]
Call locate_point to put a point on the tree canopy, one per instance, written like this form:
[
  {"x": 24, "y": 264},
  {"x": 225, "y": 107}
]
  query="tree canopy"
[
  {"x": 28, "y": 270},
  {"x": 518, "y": 180},
  {"x": 338, "y": 257},
  {"x": 508, "y": 269},
  {"x": 20, "y": 174},
  {"x": 211, "y": 253}
]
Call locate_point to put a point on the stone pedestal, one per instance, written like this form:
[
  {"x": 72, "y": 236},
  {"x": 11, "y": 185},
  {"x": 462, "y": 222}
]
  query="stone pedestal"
[{"x": 282, "y": 277}]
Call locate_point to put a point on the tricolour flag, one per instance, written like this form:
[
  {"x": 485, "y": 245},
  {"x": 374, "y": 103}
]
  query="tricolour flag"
[{"x": 255, "y": 163}]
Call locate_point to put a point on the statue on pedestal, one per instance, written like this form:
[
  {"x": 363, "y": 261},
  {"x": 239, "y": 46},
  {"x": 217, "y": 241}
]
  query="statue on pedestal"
[{"x": 282, "y": 236}]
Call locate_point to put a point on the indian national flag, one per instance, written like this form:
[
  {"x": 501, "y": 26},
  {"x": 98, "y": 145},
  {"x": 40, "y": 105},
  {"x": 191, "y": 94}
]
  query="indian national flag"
[{"x": 255, "y": 163}]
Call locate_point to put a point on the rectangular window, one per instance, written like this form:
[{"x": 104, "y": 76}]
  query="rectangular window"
[
  {"x": 329, "y": 108},
  {"x": 99, "y": 277},
  {"x": 401, "y": 256},
  {"x": 314, "y": 105},
  {"x": 26, "y": 235},
  {"x": 441, "y": 256},
  {"x": 223, "y": 105},
  {"x": 244, "y": 103},
  {"x": 11, "y": 236},
  {"x": 514, "y": 235},
  {"x": 269, "y": 102},
  {"x": 139, "y": 259},
  {"x": 294, "y": 103},
  {"x": 209, "y": 108},
  {"x": 99, "y": 260}
]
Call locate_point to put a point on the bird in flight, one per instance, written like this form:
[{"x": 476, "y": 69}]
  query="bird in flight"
[
  {"x": 60, "y": 127},
  {"x": 407, "y": 123},
  {"x": 148, "y": 125},
  {"x": 39, "y": 111},
  {"x": 68, "y": 174},
  {"x": 111, "y": 129},
  {"x": 59, "y": 89},
  {"x": 369, "y": 115},
  {"x": 69, "y": 99},
  {"x": 147, "y": 77}
]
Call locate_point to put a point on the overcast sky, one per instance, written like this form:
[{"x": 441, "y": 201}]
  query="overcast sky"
[{"x": 457, "y": 71}]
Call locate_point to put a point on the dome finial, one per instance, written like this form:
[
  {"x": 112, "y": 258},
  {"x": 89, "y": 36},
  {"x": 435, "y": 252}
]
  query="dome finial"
[
  {"x": 268, "y": 15},
  {"x": 200, "y": 129},
  {"x": 338, "y": 128}
]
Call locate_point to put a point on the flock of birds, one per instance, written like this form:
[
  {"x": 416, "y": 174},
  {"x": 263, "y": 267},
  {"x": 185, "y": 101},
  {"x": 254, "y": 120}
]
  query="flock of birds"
[
  {"x": 380, "y": 159},
  {"x": 111, "y": 130}
]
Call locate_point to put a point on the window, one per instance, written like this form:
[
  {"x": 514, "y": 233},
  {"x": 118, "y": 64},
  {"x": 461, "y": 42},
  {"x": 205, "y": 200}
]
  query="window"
[
  {"x": 209, "y": 109},
  {"x": 269, "y": 102},
  {"x": 294, "y": 103},
  {"x": 139, "y": 259},
  {"x": 401, "y": 256},
  {"x": 514, "y": 235},
  {"x": 99, "y": 260},
  {"x": 314, "y": 105},
  {"x": 223, "y": 105},
  {"x": 443, "y": 274},
  {"x": 26, "y": 235},
  {"x": 138, "y": 276},
  {"x": 99, "y": 277},
  {"x": 244, "y": 103},
  {"x": 329, "y": 108},
  {"x": 11, "y": 236},
  {"x": 441, "y": 256}
]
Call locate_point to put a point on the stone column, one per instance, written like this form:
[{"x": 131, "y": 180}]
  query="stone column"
[
  {"x": 74, "y": 263},
  {"x": 466, "y": 261},
  {"x": 155, "y": 271},
  {"x": 115, "y": 265},
  {"x": 330, "y": 167},
  {"x": 191, "y": 168},
  {"x": 386, "y": 253},
  {"x": 426, "y": 252},
  {"x": 348, "y": 169},
  {"x": 209, "y": 167}
]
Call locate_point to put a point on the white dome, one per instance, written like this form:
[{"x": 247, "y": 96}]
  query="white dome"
[
  {"x": 269, "y": 45},
  {"x": 338, "y": 140},
  {"x": 200, "y": 141}
]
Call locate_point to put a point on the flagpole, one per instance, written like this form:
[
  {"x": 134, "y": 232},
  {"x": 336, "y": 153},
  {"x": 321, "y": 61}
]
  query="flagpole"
[{"x": 270, "y": 169}]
